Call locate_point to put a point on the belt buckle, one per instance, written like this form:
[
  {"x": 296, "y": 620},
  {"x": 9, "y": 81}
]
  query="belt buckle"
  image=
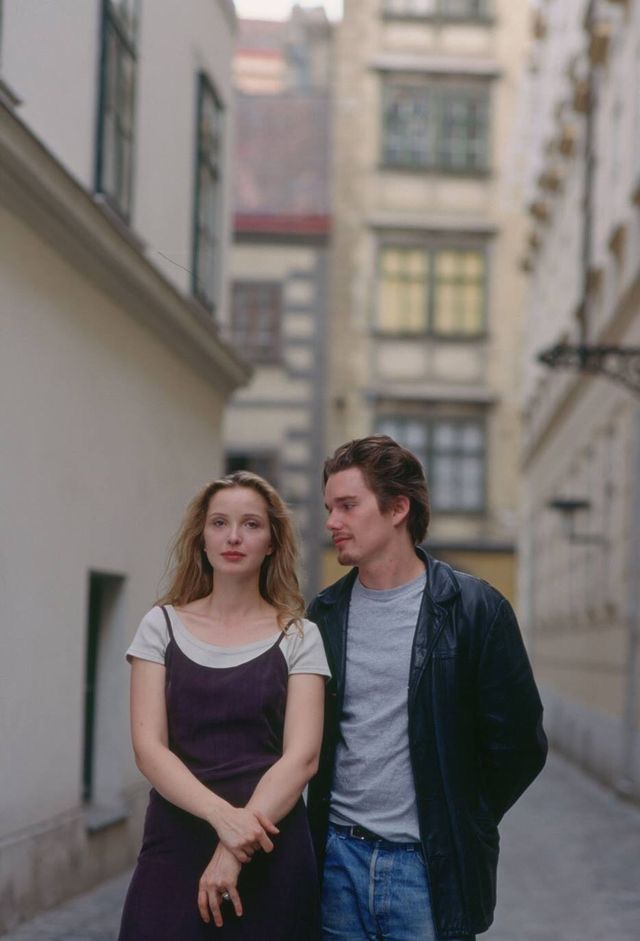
[{"x": 361, "y": 833}]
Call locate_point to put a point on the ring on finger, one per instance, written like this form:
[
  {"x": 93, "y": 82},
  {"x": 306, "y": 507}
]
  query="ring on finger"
[{"x": 225, "y": 896}]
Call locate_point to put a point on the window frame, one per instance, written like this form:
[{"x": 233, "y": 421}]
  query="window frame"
[
  {"x": 432, "y": 250},
  {"x": 275, "y": 353},
  {"x": 126, "y": 44},
  {"x": 440, "y": 94},
  {"x": 207, "y": 294},
  {"x": 429, "y": 424}
]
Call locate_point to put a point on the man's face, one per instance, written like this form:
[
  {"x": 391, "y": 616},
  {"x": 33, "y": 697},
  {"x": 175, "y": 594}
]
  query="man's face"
[{"x": 360, "y": 531}]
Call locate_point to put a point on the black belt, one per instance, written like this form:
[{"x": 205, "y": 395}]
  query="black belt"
[{"x": 359, "y": 833}]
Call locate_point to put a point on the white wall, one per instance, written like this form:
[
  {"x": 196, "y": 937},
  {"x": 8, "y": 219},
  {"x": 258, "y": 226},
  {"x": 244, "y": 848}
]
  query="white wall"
[
  {"x": 51, "y": 60},
  {"x": 109, "y": 436}
]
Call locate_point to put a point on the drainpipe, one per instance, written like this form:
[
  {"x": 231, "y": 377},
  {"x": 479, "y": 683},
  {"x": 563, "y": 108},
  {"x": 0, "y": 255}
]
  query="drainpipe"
[
  {"x": 627, "y": 784},
  {"x": 589, "y": 175}
]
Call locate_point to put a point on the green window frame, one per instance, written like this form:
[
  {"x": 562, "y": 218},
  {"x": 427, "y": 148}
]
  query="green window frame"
[
  {"x": 256, "y": 317},
  {"x": 435, "y": 126},
  {"x": 208, "y": 193},
  {"x": 452, "y": 451},
  {"x": 436, "y": 290},
  {"x": 116, "y": 105},
  {"x": 448, "y": 10}
]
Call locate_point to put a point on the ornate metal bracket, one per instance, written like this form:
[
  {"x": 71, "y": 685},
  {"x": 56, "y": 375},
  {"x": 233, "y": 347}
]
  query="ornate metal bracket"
[
  {"x": 621, "y": 364},
  {"x": 567, "y": 507}
]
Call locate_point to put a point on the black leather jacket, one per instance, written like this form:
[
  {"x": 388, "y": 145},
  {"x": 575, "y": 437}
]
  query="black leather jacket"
[{"x": 475, "y": 733}]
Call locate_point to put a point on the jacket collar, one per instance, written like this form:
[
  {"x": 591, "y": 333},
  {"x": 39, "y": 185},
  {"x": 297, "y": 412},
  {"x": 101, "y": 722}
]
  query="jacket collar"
[{"x": 442, "y": 583}]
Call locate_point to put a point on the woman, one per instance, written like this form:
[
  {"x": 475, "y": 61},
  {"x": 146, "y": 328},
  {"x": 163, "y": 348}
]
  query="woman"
[{"x": 227, "y": 687}]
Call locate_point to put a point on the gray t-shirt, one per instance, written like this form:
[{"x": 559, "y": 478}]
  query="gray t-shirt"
[{"x": 373, "y": 782}]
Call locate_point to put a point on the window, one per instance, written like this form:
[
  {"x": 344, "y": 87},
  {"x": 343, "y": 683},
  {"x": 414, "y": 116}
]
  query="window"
[
  {"x": 410, "y": 7},
  {"x": 255, "y": 320},
  {"x": 452, "y": 452},
  {"x": 208, "y": 193},
  {"x": 431, "y": 290},
  {"x": 114, "y": 170},
  {"x": 263, "y": 463},
  {"x": 442, "y": 9},
  {"x": 436, "y": 126}
]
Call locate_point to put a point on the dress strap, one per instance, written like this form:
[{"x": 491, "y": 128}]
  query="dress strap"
[
  {"x": 282, "y": 636},
  {"x": 168, "y": 620}
]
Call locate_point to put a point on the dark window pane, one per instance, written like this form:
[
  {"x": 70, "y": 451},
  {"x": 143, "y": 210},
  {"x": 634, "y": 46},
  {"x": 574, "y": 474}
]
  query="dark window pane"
[
  {"x": 263, "y": 463},
  {"x": 452, "y": 452},
  {"x": 256, "y": 315},
  {"x": 206, "y": 222},
  {"x": 435, "y": 126},
  {"x": 116, "y": 119},
  {"x": 409, "y": 125}
]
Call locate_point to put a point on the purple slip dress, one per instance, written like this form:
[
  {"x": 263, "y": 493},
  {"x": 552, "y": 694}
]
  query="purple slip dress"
[{"x": 226, "y": 725}]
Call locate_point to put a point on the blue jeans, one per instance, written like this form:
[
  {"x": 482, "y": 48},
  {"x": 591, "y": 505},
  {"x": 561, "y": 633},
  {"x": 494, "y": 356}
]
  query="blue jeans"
[{"x": 375, "y": 891}]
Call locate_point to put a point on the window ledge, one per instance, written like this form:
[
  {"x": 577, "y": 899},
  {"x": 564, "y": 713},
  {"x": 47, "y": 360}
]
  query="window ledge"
[
  {"x": 99, "y": 817},
  {"x": 475, "y": 174},
  {"x": 119, "y": 222},
  {"x": 475, "y": 513},
  {"x": 8, "y": 97},
  {"x": 431, "y": 336},
  {"x": 439, "y": 19}
]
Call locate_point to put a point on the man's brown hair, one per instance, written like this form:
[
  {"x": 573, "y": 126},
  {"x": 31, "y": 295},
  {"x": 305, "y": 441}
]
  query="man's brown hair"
[{"x": 390, "y": 471}]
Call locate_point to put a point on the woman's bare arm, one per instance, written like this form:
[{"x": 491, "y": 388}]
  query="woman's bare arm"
[
  {"x": 280, "y": 787},
  {"x": 242, "y": 830}
]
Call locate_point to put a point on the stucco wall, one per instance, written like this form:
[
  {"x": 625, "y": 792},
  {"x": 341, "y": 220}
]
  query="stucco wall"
[{"x": 106, "y": 436}]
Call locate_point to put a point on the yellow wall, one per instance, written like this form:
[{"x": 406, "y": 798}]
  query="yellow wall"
[{"x": 498, "y": 568}]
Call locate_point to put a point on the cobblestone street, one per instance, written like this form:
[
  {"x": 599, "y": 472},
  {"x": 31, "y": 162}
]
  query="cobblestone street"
[{"x": 569, "y": 871}]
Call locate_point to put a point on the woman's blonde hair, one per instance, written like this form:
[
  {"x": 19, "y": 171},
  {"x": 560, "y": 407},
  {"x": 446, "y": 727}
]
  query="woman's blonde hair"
[{"x": 192, "y": 575}]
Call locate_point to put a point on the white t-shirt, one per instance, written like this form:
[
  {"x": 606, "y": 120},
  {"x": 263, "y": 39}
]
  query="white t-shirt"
[{"x": 304, "y": 653}]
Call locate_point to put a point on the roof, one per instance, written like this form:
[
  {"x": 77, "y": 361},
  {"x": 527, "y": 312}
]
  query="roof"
[
  {"x": 261, "y": 36},
  {"x": 282, "y": 163}
]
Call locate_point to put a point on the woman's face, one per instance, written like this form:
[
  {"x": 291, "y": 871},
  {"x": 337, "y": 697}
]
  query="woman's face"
[{"x": 237, "y": 534}]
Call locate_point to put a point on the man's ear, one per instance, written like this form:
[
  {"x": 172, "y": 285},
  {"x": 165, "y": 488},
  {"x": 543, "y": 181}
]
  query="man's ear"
[{"x": 400, "y": 509}]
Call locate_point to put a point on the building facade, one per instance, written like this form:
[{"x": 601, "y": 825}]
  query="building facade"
[
  {"x": 113, "y": 382},
  {"x": 580, "y": 561},
  {"x": 426, "y": 297},
  {"x": 280, "y": 264}
]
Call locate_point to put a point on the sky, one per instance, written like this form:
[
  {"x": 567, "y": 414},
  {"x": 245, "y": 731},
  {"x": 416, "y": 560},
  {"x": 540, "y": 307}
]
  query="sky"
[{"x": 279, "y": 9}]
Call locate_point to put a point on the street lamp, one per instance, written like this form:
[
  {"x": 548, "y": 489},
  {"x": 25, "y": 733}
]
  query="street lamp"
[{"x": 619, "y": 363}]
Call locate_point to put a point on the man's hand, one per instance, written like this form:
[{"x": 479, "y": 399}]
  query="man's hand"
[
  {"x": 243, "y": 831},
  {"x": 218, "y": 884}
]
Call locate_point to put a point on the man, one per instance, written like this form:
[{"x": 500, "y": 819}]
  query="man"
[{"x": 433, "y": 720}]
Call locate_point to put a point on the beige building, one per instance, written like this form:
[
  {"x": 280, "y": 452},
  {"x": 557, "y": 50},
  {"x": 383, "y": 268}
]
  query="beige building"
[
  {"x": 113, "y": 381},
  {"x": 580, "y": 562},
  {"x": 280, "y": 266},
  {"x": 427, "y": 295}
]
